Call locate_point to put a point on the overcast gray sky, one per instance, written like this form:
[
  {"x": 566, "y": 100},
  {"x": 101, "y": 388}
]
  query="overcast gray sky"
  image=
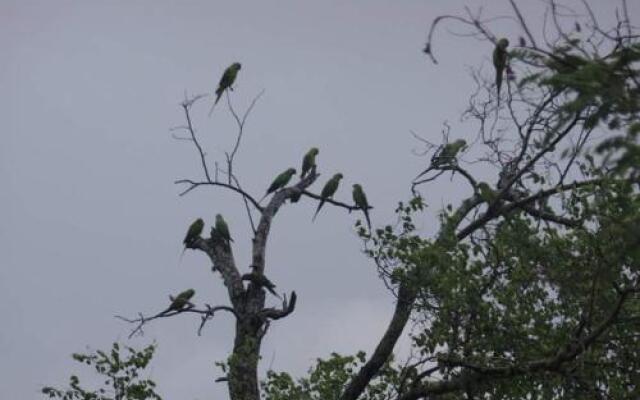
[{"x": 92, "y": 223}]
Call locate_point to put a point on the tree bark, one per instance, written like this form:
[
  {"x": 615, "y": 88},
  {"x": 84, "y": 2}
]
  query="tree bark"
[
  {"x": 357, "y": 385},
  {"x": 243, "y": 363},
  {"x": 252, "y": 318}
]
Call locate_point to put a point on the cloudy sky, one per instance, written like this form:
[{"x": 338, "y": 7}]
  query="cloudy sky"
[{"x": 92, "y": 222}]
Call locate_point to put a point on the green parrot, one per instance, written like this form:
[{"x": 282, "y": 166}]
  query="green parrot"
[
  {"x": 228, "y": 77},
  {"x": 486, "y": 193},
  {"x": 194, "y": 231},
  {"x": 222, "y": 228},
  {"x": 328, "y": 191},
  {"x": 361, "y": 202},
  {"x": 309, "y": 161},
  {"x": 280, "y": 181},
  {"x": 448, "y": 153},
  {"x": 500, "y": 61},
  {"x": 261, "y": 281},
  {"x": 451, "y": 150},
  {"x": 180, "y": 301}
]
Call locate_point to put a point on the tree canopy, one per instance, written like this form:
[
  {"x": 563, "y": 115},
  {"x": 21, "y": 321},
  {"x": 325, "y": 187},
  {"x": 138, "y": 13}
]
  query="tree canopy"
[{"x": 530, "y": 287}]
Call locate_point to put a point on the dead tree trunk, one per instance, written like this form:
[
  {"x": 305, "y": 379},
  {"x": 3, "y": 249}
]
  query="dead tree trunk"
[
  {"x": 243, "y": 363},
  {"x": 252, "y": 317},
  {"x": 247, "y": 303}
]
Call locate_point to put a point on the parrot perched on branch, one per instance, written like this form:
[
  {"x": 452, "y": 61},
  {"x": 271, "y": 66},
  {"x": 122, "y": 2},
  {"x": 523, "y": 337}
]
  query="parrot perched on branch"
[
  {"x": 449, "y": 152},
  {"x": 328, "y": 191},
  {"x": 222, "y": 229},
  {"x": 309, "y": 161},
  {"x": 500, "y": 56},
  {"x": 261, "y": 281},
  {"x": 226, "y": 82},
  {"x": 195, "y": 229},
  {"x": 178, "y": 303},
  {"x": 361, "y": 202},
  {"x": 280, "y": 181},
  {"x": 181, "y": 300}
]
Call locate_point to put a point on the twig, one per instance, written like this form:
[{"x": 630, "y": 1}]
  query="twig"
[
  {"x": 186, "y": 105},
  {"x": 240, "y": 122},
  {"x": 336, "y": 203},
  {"x": 523, "y": 23},
  {"x": 194, "y": 184},
  {"x": 287, "y": 308},
  {"x": 142, "y": 320}
]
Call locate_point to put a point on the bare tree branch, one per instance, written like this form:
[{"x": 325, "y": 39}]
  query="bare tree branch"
[
  {"x": 287, "y": 308},
  {"x": 348, "y": 207},
  {"x": 401, "y": 314},
  {"x": 142, "y": 320},
  {"x": 240, "y": 123},
  {"x": 194, "y": 184},
  {"x": 523, "y": 24},
  {"x": 264, "y": 226},
  {"x": 473, "y": 21},
  {"x": 210, "y": 314},
  {"x": 186, "y": 106},
  {"x": 221, "y": 255}
]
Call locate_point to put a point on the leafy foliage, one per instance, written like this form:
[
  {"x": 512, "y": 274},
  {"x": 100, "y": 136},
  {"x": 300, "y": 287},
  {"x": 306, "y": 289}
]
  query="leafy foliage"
[
  {"x": 603, "y": 87},
  {"x": 326, "y": 381},
  {"x": 531, "y": 287},
  {"x": 120, "y": 371}
]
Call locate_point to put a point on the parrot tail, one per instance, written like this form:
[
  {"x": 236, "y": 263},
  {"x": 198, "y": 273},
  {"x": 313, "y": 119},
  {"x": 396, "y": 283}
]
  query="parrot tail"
[
  {"x": 366, "y": 215},
  {"x": 181, "y": 255},
  {"x": 218, "y": 94},
  {"x": 317, "y": 210}
]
